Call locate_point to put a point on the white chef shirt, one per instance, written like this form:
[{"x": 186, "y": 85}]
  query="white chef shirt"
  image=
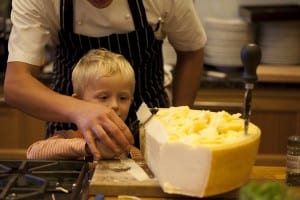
[{"x": 36, "y": 24}]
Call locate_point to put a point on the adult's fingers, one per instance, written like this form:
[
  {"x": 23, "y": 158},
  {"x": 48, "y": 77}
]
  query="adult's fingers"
[
  {"x": 121, "y": 134},
  {"x": 127, "y": 133},
  {"x": 90, "y": 140},
  {"x": 121, "y": 130},
  {"x": 103, "y": 136}
]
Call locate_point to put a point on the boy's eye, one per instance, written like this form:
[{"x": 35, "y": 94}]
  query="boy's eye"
[
  {"x": 102, "y": 97},
  {"x": 124, "y": 98}
]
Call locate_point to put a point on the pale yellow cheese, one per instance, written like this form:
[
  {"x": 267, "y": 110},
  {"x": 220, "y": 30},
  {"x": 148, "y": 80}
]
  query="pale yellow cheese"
[{"x": 199, "y": 153}]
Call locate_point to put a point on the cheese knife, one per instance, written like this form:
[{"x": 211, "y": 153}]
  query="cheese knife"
[{"x": 250, "y": 56}]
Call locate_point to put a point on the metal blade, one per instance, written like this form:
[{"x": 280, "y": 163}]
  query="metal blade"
[{"x": 247, "y": 106}]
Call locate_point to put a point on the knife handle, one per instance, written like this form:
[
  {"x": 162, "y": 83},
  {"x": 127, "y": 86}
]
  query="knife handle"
[{"x": 250, "y": 56}]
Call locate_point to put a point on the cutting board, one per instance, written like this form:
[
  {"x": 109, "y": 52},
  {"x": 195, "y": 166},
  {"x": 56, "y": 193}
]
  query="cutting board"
[{"x": 124, "y": 177}]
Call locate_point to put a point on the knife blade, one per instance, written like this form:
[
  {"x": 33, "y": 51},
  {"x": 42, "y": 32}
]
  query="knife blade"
[
  {"x": 247, "y": 103},
  {"x": 138, "y": 157}
]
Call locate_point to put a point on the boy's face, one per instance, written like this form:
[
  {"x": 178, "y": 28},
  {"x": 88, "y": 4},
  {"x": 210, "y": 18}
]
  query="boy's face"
[{"x": 114, "y": 92}]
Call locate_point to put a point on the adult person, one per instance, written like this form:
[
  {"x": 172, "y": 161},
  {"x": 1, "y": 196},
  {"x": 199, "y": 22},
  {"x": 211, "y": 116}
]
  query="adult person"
[{"x": 133, "y": 28}]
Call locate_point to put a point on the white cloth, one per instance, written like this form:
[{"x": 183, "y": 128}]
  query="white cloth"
[{"x": 36, "y": 24}]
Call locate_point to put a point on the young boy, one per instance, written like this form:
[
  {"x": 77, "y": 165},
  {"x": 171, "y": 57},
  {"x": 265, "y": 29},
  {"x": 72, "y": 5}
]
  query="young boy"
[{"x": 100, "y": 77}]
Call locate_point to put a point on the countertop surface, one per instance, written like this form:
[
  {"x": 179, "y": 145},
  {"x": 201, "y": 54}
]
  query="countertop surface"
[{"x": 259, "y": 173}]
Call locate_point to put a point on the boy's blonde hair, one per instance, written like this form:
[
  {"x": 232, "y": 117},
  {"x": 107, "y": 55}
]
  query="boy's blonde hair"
[{"x": 99, "y": 63}]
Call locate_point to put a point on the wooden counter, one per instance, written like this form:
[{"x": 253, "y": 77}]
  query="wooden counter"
[
  {"x": 279, "y": 73},
  {"x": 18, "y": 130},
  {"x": 12, "y": 153},
  {"x": 259, "y": 173}
]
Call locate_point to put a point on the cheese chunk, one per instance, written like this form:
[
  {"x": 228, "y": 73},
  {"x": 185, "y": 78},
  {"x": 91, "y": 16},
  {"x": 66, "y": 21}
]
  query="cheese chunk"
[{"x": 199, "y": 153}]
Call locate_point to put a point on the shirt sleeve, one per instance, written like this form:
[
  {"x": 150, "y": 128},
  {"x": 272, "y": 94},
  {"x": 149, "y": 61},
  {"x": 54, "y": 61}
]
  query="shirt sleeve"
[
  {"x": 183, "y": 26},
  {"x": 60, "y": 146},
  {"x": 35, "y": 25}
]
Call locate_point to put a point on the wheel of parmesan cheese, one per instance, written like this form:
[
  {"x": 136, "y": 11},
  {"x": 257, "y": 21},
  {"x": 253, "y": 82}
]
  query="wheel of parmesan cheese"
[{"x": 199, "y": 153}]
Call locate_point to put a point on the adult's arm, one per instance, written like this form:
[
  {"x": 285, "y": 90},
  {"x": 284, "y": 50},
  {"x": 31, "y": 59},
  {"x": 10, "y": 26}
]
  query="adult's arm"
[
  {"x": 187, "y": 76},
  {"x": 188, "y": 40},
  {"x": 24, "y": 91}
]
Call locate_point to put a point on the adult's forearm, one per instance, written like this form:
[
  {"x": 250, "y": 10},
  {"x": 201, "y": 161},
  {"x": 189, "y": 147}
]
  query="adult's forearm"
[
  {"x": 28, "y": 94},
  {"x": 187, "y": 76},
  {"x": 23, "y": 91}
]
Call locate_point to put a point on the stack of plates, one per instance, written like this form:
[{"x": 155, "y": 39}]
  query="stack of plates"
[
  {"x": 280, "y": 42},
  {"x": 225, "y": 39}
]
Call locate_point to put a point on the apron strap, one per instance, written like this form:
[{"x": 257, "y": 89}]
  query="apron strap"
[
  {"x": 138, "y": 13},
  {"x": 66, "y": 15}
]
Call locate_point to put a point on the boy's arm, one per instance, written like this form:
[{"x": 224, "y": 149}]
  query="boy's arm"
[{"x": 61, "y": 146}]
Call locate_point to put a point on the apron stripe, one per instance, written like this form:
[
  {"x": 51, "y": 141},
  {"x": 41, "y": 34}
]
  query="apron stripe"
[
  {"x": 113, "y": 43},
  {"x": 129, "y": 48},
  {"x": 88, "y": 43},
  {"x": 137, "y": 7},
  {"x": 66, "y": 6},
  {"x": 119, "y": 45},
  {"x": 99, "y": 42}
]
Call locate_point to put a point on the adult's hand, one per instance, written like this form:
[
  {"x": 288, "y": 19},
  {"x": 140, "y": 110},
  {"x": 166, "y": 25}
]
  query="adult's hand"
[
  {"x": 97, "y": 122},
  {"x": 24, "y": 91}
]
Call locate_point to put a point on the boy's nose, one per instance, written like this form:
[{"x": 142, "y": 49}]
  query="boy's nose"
[{"x": 114, "y": 104}]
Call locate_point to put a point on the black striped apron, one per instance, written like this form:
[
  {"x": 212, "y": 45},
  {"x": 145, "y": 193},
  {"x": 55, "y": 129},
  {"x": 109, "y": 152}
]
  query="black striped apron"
[{"x": 139, "y": 47}]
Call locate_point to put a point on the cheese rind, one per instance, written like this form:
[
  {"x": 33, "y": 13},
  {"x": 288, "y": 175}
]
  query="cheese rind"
[
  {"x": 232, "y": 165},
  {"x": 199, "y": 153}
]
